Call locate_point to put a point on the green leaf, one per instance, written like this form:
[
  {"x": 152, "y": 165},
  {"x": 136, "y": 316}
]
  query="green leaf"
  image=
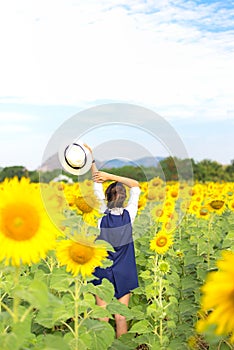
[
  {"x": 150, "y": 291},
  {"x": 185, "y": 306},
  {"x": 89, "y": 300},
  {"x": 105, "y": 290},
  {"x": 117, "y": 344},
  {"x": 9, "y": 341},
  {"x": 224, "y": 346},
  {"x": 188, "y": 282},
  {"x": 141, "y": 327},
  {"x": 5, "y": 320},
  {"x": 22, "y": 330},
  {"x": 53, "y": 342},
  {"x": 146, "y": 274},
  {"x": 79, "y": 344},
  {"x": 136, "y": 313},
  {"x": 171, "y": 324},
  {"x": 102, "y": 334},
  {"x": 104, "y": 244},
  {"x": 190, "y": 259},
  {"x": 115, "y": 307},
  {"x": 176, "y": 344},
  {"x": 174, "y": 279},
  {"x": 36, "y": 293},
  {"x": 60, "y": 280},
  {"x": 53, "y": 314},
  {"x": 100, "y": 312},
  {"x": 128, "y": 339},
  {"x": 151, "y": 309}
]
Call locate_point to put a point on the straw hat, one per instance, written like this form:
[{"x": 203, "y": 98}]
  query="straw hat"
[{"x": 75, "y": 158}]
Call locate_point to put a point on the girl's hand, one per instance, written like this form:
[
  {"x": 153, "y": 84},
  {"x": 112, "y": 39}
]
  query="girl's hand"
[
  {"x": 101, "y": 176},
  {"x": 89, "y": 148}
]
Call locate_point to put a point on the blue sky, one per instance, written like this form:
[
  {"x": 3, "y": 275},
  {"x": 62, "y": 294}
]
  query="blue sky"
[{"x": 59, "y": 57}]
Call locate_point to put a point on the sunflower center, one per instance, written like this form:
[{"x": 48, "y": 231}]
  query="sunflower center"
[
  {"x": 161, "y": 241},
  {"x": 159, "y": 212},
  {"x": 20, "y": 221},
  {"x": 82, "y": 204},
  {"x": 218, "y": 204},
  {"x": 80, "y": 253},
  {"x": 174, "y": 194},
  {"x": 204, "y": 212}
]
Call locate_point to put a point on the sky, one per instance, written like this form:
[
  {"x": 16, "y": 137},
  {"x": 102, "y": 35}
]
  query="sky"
[{"x": 61, "y": 57}]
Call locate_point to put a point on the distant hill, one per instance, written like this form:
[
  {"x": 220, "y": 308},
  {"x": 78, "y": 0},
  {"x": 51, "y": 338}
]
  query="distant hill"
[
  {"x": 53, "y": 163},
  {"x": 50, "y": 164},
  {"x": 118, "y": 163}
]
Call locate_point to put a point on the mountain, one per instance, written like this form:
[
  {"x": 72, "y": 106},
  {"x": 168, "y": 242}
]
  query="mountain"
[
  {"x": 53, "y": 163},
  {"x": 50, "y": 164},
  {"x": 118, "y": 163}
]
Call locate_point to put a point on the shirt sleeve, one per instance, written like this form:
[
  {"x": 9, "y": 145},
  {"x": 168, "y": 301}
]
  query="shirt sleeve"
[
  {"x": 132, "y": 205},
  {"x": 99, "y": 193}
]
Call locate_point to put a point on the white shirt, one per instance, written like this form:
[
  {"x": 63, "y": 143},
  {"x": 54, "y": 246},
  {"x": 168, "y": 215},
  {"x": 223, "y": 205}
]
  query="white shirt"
[{"x": 131, "y": 207}]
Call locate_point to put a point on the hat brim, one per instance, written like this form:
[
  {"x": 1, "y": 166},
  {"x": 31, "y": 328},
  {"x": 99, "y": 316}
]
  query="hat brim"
[{"x": 69, "y": 169}]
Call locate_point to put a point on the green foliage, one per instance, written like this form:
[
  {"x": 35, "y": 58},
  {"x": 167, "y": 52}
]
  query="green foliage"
[
  {"x": 12, "y": 171},
  {"x": 44, "y": 307},
  {"x": 169, "y": 169}
]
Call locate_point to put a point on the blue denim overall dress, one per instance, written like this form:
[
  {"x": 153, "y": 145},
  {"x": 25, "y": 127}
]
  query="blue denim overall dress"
[{"x": 117, "y": 230}]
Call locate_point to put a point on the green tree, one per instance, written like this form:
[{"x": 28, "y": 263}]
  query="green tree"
[
  {"x": 12, "y": 171},
  {"x": 230, "y": 171},
  {"x": 209, "y": 170}
]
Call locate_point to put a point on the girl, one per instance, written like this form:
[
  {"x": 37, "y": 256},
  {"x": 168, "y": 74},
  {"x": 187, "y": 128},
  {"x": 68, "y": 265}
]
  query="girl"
[{"x": 116, "y": 228}]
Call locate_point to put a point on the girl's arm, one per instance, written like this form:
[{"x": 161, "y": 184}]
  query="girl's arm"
[
  {"x": 101, "y": 176},
  {"x": 98, "y": 189}
]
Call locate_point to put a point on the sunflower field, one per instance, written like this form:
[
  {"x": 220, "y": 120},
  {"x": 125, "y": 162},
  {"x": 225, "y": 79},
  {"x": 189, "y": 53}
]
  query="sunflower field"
[{"x": 184, "y": 247}]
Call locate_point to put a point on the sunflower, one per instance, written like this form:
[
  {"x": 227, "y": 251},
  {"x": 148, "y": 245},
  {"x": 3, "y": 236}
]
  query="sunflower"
[
  {"x": 194, "y": 207},
  {"x": 184, "y": 205},
  {"x": 83, "y": 204},
  {"x": 203, "y": 212},
  {"x": 159, "y": 213},
  {"x": 156, "y": 181},
  {"x": 164, "y": 267},
  {"x": 173, "y": 192},
  {"x": 169, "y": 225},
  {"x": 80, "y": 256},
  {"x": 151, "y": 194},
  {"x": 161, "y": 242},
  {"x": 218, "y": 298},
  {"x": 231, "y": 204},
  {"x": 54, "y": 200},
  {"x": 81, "y": 199},
  {"x": 141, "y": 203},
  {"x": 192, "y": 342},
  {"x": 70, "y": 191},
  {"x": 216, "y": 205},
  {"x": 26, "y": 230}
]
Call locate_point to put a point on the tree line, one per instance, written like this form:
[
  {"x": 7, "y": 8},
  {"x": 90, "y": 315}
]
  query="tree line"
[{"x": 169, "y": 169}]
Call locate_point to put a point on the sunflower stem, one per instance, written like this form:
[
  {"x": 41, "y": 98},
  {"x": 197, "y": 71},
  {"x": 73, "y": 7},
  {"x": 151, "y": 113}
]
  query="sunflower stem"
[
  {"x": 16, "y": 300},
  {"x": 7, "y": 309},
  {"x": 76, "y": 320},
  {"x": 161, "y": 306},
  {"x": 69, "y": 327},
  {"x": 208, "y": 238},
  {"x": 155, "y": 290},
  {"x": 26, "y": 313}
]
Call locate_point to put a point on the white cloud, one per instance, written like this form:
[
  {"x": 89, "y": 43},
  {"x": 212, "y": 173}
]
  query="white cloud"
[
  {"x": 12, "y": 128},
  {"x": 167, "y": 55},
  {"x": 15, "y": 116}
]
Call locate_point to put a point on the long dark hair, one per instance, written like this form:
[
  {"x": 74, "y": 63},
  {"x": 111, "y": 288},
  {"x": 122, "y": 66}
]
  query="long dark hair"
[{"x": 115, "y": 195}]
